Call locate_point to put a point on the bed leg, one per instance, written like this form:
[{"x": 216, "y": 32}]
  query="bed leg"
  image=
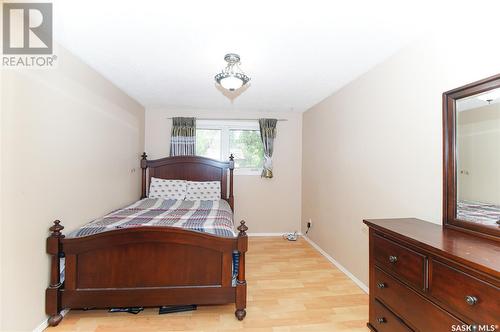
[
  {"x": 53, "y": 294},
  {"x": 55, "y": 320},
  {"x": 240, "y": 313},
  {"x": 241, "y": 283}
]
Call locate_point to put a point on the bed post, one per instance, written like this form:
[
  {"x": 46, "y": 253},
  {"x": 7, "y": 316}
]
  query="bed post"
[
  {"x": 144, "y": 166},
  {"x": 52, "y": 294},
  {"x": 241, "y": 283},
  {"x": 231, "y": 169}
]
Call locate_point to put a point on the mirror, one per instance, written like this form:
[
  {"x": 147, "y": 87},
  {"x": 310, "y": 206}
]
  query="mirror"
[
  {"x": 471, "y": 158},
  {"x": 478, "y": 158}
]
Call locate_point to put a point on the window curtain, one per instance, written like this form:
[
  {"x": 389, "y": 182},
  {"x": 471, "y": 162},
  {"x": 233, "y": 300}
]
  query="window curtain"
[
  {"x": 268, "y": 134},
  {"x": 183, "y": 137}
]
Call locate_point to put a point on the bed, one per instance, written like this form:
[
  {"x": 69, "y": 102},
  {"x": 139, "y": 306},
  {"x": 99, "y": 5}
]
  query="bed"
[{"x": 154, "y": 252}]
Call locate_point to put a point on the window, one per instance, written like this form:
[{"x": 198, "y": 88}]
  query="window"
[
  {"x": 246, "y": 147},
  {"x": 208, "y": 143},
  {"x": 218, "y": 139}
]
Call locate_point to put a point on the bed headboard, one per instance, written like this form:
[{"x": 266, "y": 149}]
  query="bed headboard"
[{"x": 190, "y": 168}]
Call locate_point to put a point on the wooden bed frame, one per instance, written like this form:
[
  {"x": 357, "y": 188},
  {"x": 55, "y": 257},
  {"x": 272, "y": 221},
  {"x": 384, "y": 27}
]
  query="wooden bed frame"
[{"x": 150, "y": 266}]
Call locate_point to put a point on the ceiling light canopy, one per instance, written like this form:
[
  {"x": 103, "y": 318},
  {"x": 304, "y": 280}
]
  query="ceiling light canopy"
[{"x": 232, "y": 77}]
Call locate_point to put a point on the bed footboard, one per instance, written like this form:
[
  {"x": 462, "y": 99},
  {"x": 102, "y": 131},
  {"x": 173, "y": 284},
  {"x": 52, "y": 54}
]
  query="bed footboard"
[{"x": 145, "y": 267}]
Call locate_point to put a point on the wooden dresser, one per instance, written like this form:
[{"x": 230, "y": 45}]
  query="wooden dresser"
[{"x": 424, "y": 277}]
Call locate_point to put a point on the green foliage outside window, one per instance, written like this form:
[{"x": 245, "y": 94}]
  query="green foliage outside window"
[{"x": 246, "y": 146}]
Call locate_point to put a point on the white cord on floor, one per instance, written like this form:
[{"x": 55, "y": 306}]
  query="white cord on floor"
[{"x": 291, "y": 236}]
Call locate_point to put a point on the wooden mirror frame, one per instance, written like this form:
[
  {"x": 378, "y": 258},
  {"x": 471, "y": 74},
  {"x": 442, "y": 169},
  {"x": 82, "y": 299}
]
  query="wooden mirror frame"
[{"x": 450, "y": 161}]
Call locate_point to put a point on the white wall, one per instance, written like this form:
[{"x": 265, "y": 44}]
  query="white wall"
[
  {"x": 478, "y": 138},
  {"x": 373, "y": 149},
  {"x": 268, "y": 205},
  {"x": 70, "y": 144}
]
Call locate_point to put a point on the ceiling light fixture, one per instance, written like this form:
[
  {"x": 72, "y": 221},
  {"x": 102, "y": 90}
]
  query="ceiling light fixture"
[
  {"x": 490, "y": 96},
  {"x": 232, "y": 77}
]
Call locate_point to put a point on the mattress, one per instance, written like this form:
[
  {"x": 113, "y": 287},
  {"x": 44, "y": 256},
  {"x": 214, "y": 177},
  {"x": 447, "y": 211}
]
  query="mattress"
[
  {"x": 213, "y": 217},
  {"x": 481, "y": 213}
]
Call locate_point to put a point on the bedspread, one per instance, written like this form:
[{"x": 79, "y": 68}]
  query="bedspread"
[
  {"x": 213, "y": 217},
  {"x": 482, "y": 213}
]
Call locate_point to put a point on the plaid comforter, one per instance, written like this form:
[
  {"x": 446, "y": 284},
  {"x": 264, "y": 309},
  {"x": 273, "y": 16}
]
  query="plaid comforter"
[
  {"x": 214, "y": 217},
  {"x": 482, "y": 213}
]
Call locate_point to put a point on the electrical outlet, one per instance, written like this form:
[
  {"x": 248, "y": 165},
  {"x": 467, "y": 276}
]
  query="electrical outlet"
[{"x": 308, "y": 225}]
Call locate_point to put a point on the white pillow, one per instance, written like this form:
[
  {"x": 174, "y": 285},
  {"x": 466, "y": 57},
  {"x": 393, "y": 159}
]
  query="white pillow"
[
  {"x": 167, "y": 189},
  {"x": 206, "y": 191}
]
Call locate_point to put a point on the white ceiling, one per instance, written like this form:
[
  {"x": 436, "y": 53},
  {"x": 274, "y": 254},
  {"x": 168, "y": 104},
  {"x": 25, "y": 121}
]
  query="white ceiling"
[
  {"x": 165, "y": 53},
  {"x": 475, "y": 101}
]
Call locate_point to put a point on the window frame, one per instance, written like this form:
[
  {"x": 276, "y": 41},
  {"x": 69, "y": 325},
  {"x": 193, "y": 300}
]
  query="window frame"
[{"x": 225, "y": 126}]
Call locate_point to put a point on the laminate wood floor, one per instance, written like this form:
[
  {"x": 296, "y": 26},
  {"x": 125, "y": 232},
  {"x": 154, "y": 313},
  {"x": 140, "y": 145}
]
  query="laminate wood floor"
[{"x": 291, "y": 287}]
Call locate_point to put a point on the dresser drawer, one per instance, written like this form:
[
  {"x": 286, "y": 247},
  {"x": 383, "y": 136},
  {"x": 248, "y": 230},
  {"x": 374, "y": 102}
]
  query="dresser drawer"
[
  {"x": 465, "y": 294},
  {"x": 407, "y": 264},
  {"x": 386, "y": 321},
  {"x": 413, "y": 308}
]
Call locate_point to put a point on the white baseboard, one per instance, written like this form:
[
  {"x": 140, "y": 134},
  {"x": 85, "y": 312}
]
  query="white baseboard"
[
  {"x": 338, "y": 265},
  {"x": 270, "y": 234},
  {"x": 43, "y": 325}
]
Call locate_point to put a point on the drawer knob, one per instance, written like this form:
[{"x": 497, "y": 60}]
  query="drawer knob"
[
  {"x": 381, "y": 320},
  {"x": 381, "y": 285},
  {"x": 471, "y": 300},
  {"x": 393, "y": 259}
]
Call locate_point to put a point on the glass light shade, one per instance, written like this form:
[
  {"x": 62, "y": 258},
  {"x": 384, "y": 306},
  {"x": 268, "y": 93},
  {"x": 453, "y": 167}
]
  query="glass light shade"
[
  {"x": 231, "y": 83},
  {"x": 232, "y": 77}
]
